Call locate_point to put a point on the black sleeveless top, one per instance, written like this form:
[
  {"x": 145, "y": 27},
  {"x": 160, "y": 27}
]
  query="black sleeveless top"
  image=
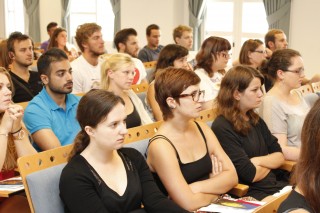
[
  {"x": 193, "y": 171},
  {"x": 133, "y": 119}
]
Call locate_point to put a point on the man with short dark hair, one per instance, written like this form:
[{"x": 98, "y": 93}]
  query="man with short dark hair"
[
  {"x": 86, "y": 68},
  {"x": 126, "y": 41},
  {"x": 50, "y": 29},
  {"x": 27, "y": 83},
  {"x": 51, "y": 115},
  {"x": 151, "y": 51}
]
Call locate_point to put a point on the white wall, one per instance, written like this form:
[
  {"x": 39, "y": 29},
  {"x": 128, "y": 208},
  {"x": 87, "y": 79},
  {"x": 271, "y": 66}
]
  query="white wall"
[
  {"x": 49, "y": 11},
  {"x": 305, "y": 33},
  {"x": 168, "y": 14}
]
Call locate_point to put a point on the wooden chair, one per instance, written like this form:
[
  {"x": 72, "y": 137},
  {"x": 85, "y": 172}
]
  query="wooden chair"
[
  {"x": 139, "y": 88},
  {"x": 305, "y": 89},
  {"x": 138, "y": 138},
  {"x": 273, "y": 205},
  {"x": 316, "y": 86},
  {"x": 40, "y": 175},
  {"x": 150, "y": 64}
]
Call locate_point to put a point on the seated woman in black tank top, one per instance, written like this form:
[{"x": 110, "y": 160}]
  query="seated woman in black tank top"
[{"x": 184, "y": 156}]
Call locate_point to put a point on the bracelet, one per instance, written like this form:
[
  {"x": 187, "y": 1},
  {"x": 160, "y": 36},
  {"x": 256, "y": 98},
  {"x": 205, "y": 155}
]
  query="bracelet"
[
  {"x": 5, "y": 134},
  {"x": 17, "y": 131}
]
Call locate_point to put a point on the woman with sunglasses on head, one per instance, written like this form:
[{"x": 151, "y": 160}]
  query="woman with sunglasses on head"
[
  {"x": 101, "y": 175},
  {"x": 14, "y": 142},
  {"x": 117, "y": 74},
  {"x": 283, "y": 108},
  {"x": 244, "y": 136},
  {"x": 184, "y": 156},
  {"x": 171, "y": 55},
  {"x": 212, "y": 60}
]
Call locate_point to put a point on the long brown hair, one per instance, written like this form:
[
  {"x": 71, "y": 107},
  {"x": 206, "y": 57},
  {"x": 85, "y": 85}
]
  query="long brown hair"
[
  {"x": 237, "y": 78},
  {"x": 11, "y": 155},
  {"x": 54, "y": 43},
  {"x": 307, "y": 171},
  {"x": 93, "y": 108}
]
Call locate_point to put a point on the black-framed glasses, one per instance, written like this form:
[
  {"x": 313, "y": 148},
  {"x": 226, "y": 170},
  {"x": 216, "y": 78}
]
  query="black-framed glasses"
[
  {"x": 195, "y": 95},
  {"x": 299, "y": 71},
  {"x": 261, "y": 51}
]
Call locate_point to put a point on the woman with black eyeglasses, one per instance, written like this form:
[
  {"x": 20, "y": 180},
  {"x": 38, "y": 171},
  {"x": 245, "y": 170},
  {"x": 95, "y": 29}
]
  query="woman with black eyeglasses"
[
  {"x": 212, "y": 59},
  {"x": 283, "y": 108},
  {"x": 184, "y": 156}
]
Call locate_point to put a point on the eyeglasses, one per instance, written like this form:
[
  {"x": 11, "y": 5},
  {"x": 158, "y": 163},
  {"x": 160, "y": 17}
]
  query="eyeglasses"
[
  {"x": 195, "y": 95},
  {"x": 299, "y": 71},
  {"x": 225, "y": 54},
  {"x": 260, "y": 51}
]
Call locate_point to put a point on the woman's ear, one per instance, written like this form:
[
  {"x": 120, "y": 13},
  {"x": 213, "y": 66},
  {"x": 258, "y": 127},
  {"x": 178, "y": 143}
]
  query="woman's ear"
[
  {"x": 171, "y": 102},
  {"x": 280, "y": 74},
  {"x": 237, "y": 95},
  {"x": 110, "y": 73},
  {"x": 89, "y": 130}
]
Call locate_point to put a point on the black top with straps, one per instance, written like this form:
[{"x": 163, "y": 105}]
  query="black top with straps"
[
  {"x": 133, "y": 119},
  {"x": 193, "y": 171}
]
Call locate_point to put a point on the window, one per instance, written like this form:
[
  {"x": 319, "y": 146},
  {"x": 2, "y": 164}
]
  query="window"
[
  {"x": 98, "y": 11},
  {"x": 14, "y": 16},
  {"x": 237, "y": 21}
]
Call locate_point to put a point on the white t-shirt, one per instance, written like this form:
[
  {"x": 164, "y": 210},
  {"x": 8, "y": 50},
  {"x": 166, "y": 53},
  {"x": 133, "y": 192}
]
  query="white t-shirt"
[
  {"x": 140, "y": 71},
  {"x": 85, "y": 76},
  {"x": 211, "y": 86}
]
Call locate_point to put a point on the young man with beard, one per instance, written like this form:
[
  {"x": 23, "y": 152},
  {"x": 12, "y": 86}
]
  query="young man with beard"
[
  {"x": 86, "y": 68},
  {"x": 51, "y": 115},
  {"x": 126, "y": 41},
  {"x": 27, "y": 83}
]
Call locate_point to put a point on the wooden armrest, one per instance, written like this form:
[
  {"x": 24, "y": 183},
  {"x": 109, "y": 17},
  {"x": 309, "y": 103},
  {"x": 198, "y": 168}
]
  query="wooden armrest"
[
  {"x": 239, "y": 190},
  {"x": 288, "y": 165}
]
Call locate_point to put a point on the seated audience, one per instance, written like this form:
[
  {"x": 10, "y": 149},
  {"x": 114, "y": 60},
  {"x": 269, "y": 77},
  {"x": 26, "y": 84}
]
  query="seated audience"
[
  {"x": 252, "y": 53},
  {"x": 151, "y": 51},
  {"x": 171, "y": 55},
  {"x": 211, "y": 60},
  {"x": 244, "y": 136},
  {"x": 59, "y": 40},
  {"x": 14, "y": 142},
  {"x": 87, "y": 68},
  {"x": 101, "y": 176},
  {"x": 305, "y": 193},
  {"x": 126, "y": 41},
  {"x": 276, "y": 39},
  {"x": 27, "y": 83},
  {"x": 117, "y": 74},
  {"x": 51, "y": 115},
  {"x": 183, "y": 35},
  {"x": 51, "y": 27},
  {"x": 184, "y": 156},
  {"x": 282, "y": 109}
]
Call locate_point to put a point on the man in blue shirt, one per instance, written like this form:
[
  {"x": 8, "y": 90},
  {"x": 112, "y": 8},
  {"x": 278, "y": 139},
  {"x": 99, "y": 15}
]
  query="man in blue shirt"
[{"x": 51, "y": 115}]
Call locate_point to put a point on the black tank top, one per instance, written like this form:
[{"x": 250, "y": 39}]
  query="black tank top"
[
  {"x": 133, "y": 119},
  {"x": 193, "y": 171}
]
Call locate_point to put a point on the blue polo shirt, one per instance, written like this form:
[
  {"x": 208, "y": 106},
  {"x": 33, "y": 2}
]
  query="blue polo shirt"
[{"x": 43, "y": 113}]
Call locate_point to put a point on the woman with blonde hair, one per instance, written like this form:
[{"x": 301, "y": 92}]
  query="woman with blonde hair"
[
  {"x": 59, "y": 40},
  {"x": 117, "y": 74},
  {"x": 14, "y": 141}
]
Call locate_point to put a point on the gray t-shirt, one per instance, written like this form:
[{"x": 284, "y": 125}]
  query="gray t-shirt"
[{"x": 283, "y": 118}]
